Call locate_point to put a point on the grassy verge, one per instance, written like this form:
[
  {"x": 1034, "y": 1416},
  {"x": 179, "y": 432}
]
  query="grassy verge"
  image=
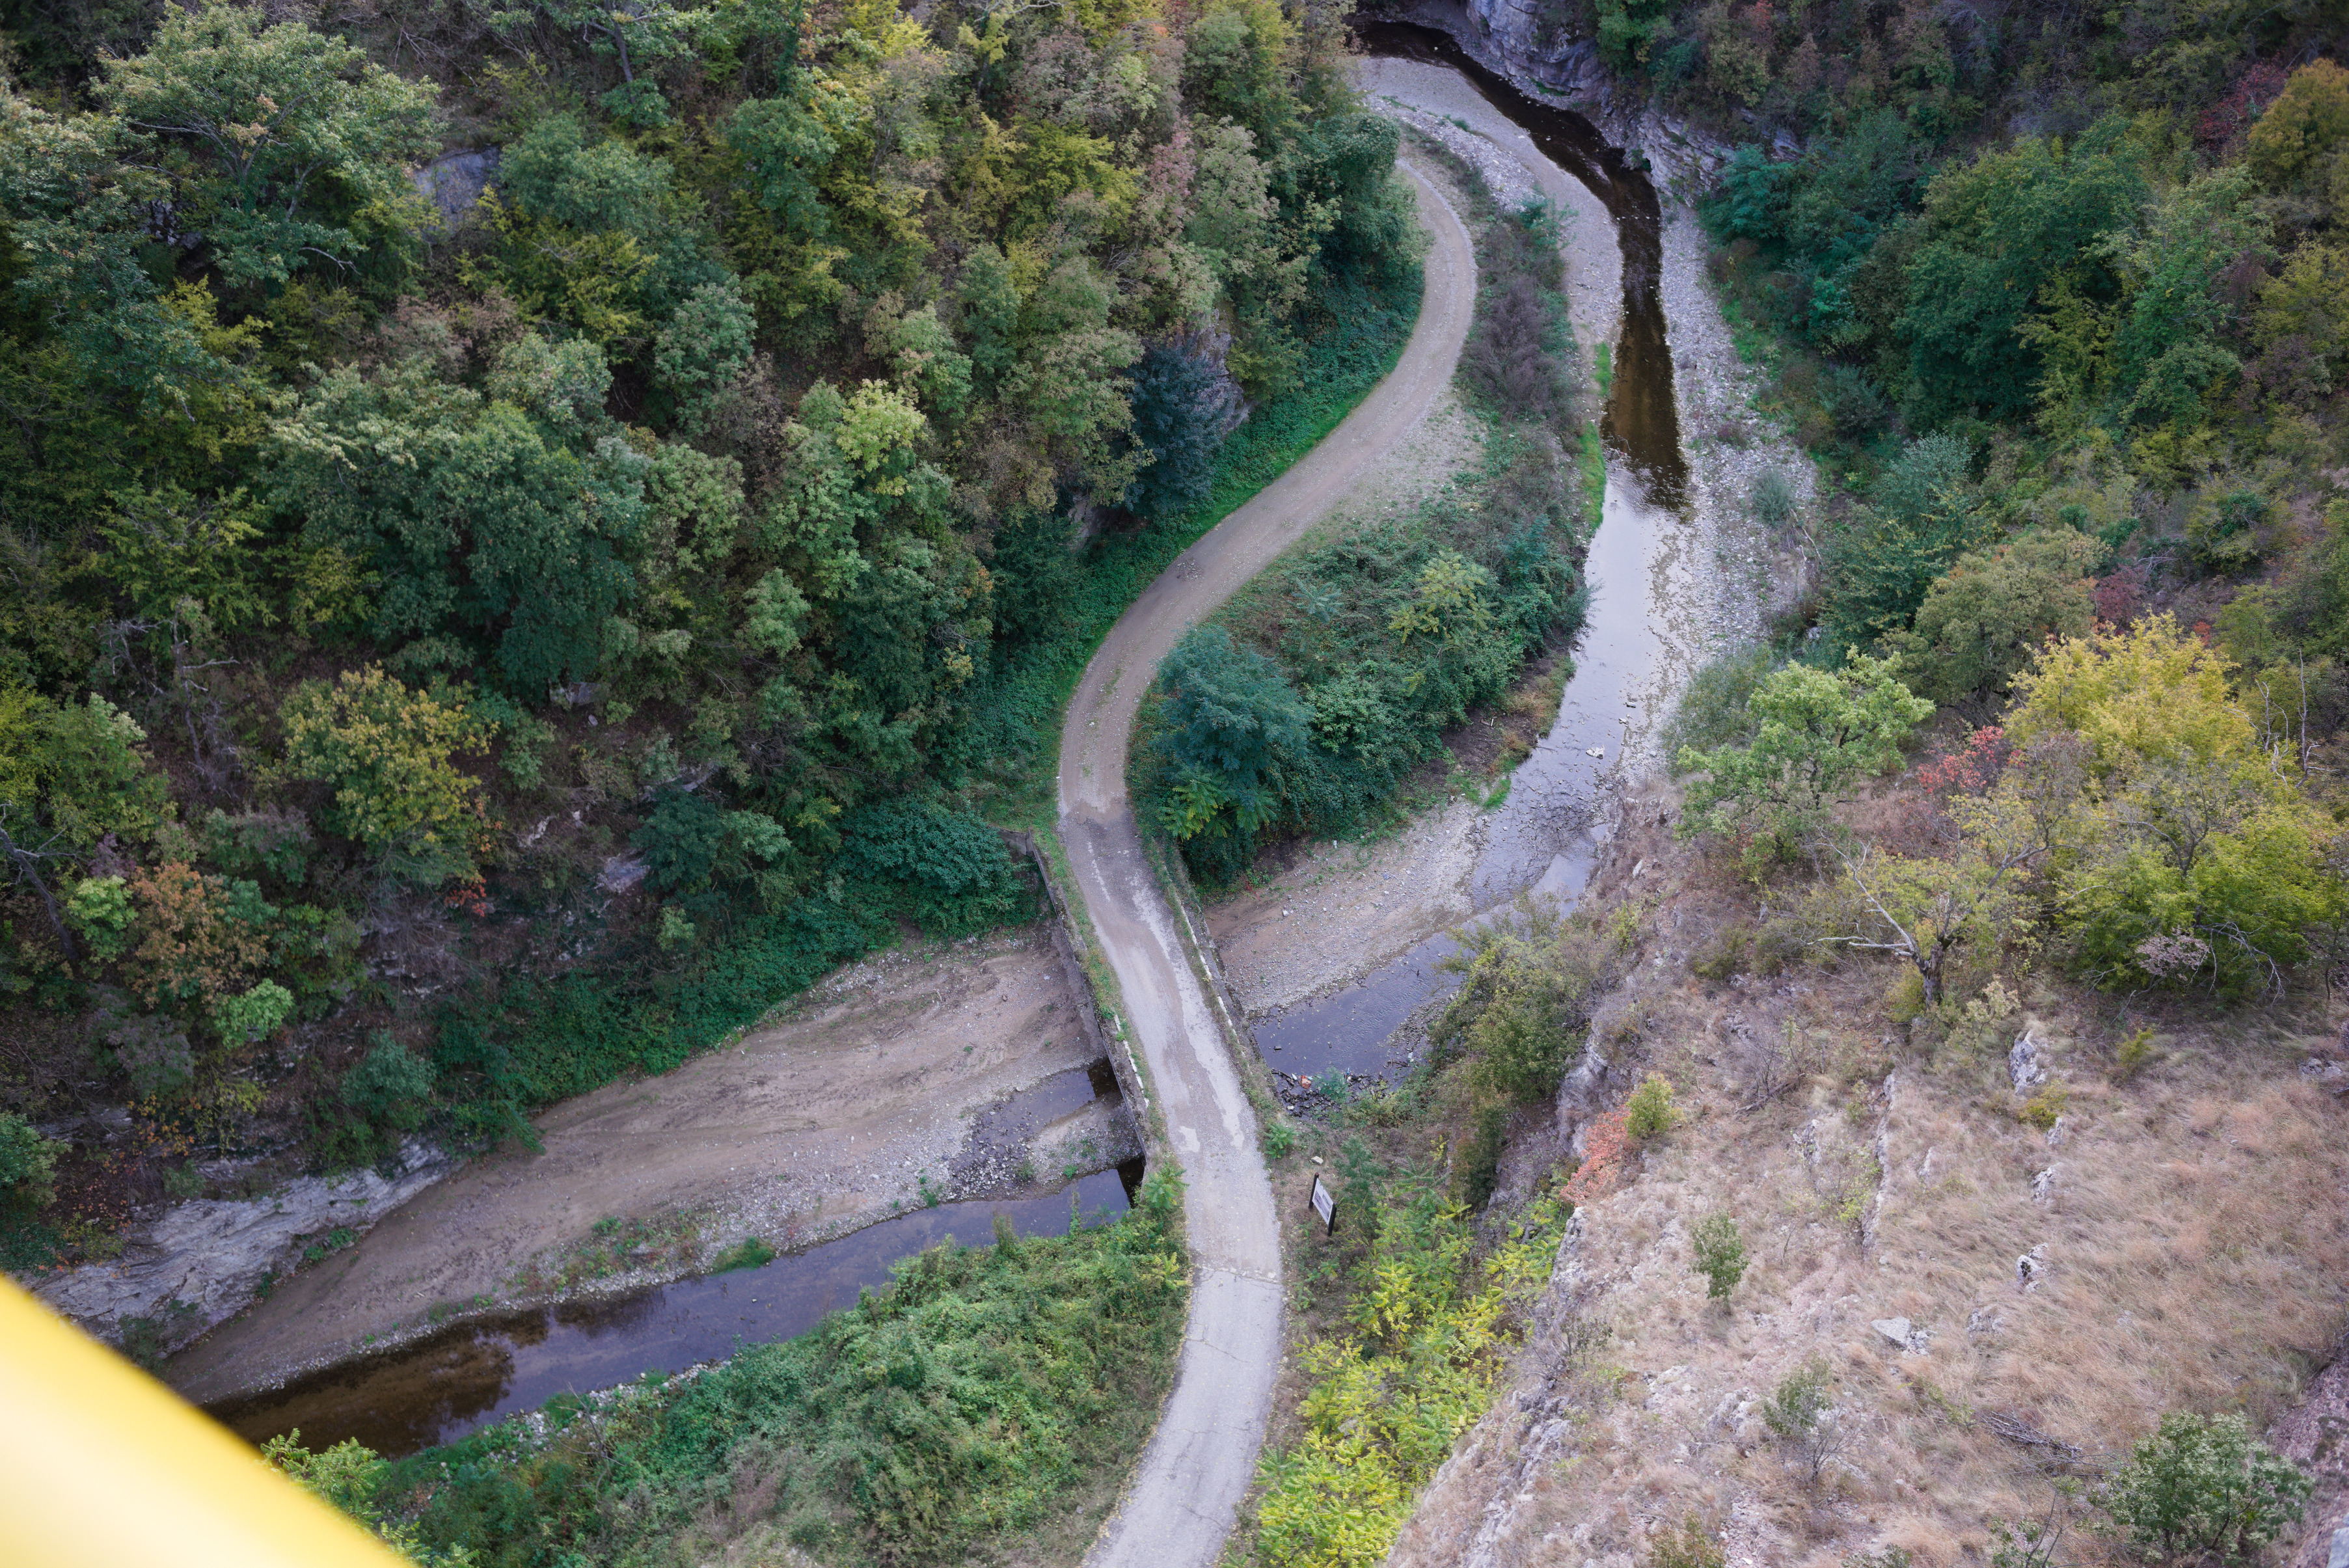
[
  {"x": 1404, "y": 1318},
  {"x": 982, "y": 1408}
]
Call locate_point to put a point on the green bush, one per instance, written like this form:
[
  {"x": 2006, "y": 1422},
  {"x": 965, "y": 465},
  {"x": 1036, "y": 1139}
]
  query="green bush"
[
  {"x": 1719, "y": 1252},
  {"x": 967, "y": 1399},
  {"x": 1650, "y": 1110},
  {"x": 1995, "y": 610},
  {"x": 391, "y": 1087},
  {"x": 1818, "y": 734},
  {"x": 1480, "y": 1167},
  {"x": 2202, "y": 1490},
  {"x": 1523, "y": 1008},
  {"x": 28, "y": 1165},
  {"x": 1714, "y": 708}
]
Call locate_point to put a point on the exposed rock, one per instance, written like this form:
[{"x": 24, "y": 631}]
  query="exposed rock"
[
  {"x": 197, "y": 1263},
  {"x": 1582, "y": 1094},
  {"x": 2042, "y": 1186},
  {"x": 2031, "y": 1267},
  {"x": 2023, "y": 1068},
  {"x": 1911, "y": 1340},
  {"x": 1516, "y": 38},
  {"x": 621, "y": 873},
  {"x": 454, "y": 182}
]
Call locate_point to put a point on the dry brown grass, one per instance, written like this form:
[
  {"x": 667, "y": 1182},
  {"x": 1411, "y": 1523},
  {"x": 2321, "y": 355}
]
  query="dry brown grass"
[{"x": 2193, "y": 1252}]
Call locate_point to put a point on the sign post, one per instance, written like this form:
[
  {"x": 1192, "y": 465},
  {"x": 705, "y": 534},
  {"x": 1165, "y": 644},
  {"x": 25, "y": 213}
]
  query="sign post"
[{"x": 1324, "y": 1205}]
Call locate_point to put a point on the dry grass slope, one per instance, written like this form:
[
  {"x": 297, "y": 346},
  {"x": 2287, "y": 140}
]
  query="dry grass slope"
[{"x": 2178, "y": 1239}]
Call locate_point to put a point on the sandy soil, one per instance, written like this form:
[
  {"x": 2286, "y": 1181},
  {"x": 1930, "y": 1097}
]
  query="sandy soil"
[
  {"x": 826, "y": 1119},
  {"x": 1440, "y": 102},
  {"x": 1760, "y": 573},
  {"x": 1344, "y": 909},
  {"x": 1717, "y": 579}
]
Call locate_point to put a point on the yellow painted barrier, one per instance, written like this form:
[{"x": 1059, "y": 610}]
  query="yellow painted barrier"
[{"x": 103, "y": 1467}]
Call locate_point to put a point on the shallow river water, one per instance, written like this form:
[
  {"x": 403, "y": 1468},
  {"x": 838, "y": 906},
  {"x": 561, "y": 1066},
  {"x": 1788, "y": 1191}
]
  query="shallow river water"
[
  {"x": 436, "y": 1389},
  {"x": 1641, "y": 635}
]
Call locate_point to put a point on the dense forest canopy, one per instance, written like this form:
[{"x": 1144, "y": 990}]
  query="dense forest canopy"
[
  {"x": 2055, "y": 298},
  {"x": 462, "y": 464}
]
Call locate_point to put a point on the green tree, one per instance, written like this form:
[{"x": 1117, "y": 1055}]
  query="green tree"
[
  {"x": 1989, "y": 615},
  {"x": 638, "y": 34},
  {"x": 704, "y": 346},
  {"x": 1523, "y": 1007},
  {"x": 1182, "y": 407},
  {"x": 283, "y": 147},
  {"x": 2192, "y": 853},
  {"x": 2156, "y": 350},
  {"x": 1229, "y": 720},
  {"x": 1996, "y": 235},
  {"x": 391, "y": 1085},
  {"x": 1818, "y": 732},
  {"x": 2305, "y": 309},
  {"x": 1801, "y": 1410},
  {"x": 77, "y": 204},
  {"x": 1883, "y": 559},
  {"x": 349, "y": 1478},
  {"x": 28, "y": 1165},
  {"x": 247, "y": 1017},
  {"x": 2305, "y": 124},
  {"x": 1924, "y": 910},
  {"x": 388, "y": 754},
  {"x": 511, "y": 518},
  {"x": 2202, "y": 1489},
  {"x": 1649, "y": 1112}
]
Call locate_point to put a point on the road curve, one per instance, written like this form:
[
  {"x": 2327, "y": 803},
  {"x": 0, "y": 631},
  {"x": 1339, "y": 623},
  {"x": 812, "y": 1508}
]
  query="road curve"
[{"x": 1186, "y": 1491}]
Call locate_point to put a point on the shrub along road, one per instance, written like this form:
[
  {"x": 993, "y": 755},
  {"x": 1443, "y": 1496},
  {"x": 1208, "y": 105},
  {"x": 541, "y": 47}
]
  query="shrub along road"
[{"x": 1186, "y": 1491}]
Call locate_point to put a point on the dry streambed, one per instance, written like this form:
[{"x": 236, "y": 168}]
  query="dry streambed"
[{"x": 944, "y": 1071}]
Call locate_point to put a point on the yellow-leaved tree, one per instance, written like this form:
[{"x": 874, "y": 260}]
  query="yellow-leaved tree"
[
  {"x": 2193, "y": 853},
  {"x": 387, "y": 752}
]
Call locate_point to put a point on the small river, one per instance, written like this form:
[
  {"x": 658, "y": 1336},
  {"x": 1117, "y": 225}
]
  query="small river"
[
  {"x": 438, "y": 1388},
  {"x": 1640, "y": 638}
]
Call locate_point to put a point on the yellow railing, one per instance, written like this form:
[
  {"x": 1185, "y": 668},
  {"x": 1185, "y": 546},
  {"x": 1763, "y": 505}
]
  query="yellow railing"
[{"x": 103, "y": 1467}]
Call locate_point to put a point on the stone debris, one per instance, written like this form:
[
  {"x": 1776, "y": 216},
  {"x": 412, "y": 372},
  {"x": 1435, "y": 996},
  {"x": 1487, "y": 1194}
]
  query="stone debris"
[{"x": 1911, "y": 1340}]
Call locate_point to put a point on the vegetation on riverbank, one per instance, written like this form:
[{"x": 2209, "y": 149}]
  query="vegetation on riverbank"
[
  {"x": 1407, "y": 1315},
  {"x": 1303, "y": 704},
  {"x": 447, "y": 660},
  {"x": 985, "y": 1404}
]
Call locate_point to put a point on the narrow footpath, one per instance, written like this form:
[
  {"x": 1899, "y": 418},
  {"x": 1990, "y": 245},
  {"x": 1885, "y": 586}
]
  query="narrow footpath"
[{"x": 1186, "y": 1493}]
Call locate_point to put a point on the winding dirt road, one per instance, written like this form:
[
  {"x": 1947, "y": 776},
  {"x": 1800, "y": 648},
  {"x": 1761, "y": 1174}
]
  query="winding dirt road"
[{"x": 1186, "y": 1491}]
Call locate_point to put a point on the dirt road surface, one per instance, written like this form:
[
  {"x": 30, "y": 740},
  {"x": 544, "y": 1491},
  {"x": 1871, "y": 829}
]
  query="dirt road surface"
[
  {"x": 1186, "y": 1491},
  {"x": 813, "y": 1125}
]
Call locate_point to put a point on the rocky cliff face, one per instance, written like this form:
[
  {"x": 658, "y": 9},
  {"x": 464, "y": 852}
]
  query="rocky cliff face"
[{"x": 1525, "y": 40}]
